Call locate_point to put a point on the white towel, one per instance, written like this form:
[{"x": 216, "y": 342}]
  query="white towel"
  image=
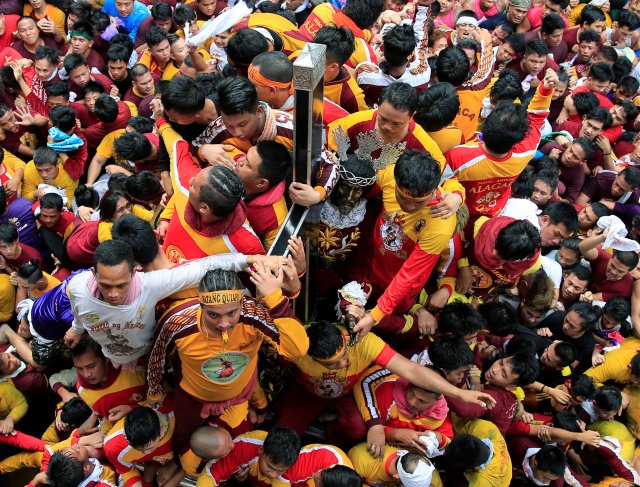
[{"x": 616, "y": 239}]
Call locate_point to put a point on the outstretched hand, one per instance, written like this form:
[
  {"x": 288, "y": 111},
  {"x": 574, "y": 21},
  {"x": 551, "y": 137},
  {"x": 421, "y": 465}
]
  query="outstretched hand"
[
  {"x": 478, "y": 398},
  {"x": 266, "y": 282}
]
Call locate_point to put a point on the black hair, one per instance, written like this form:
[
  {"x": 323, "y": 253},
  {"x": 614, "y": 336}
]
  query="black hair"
[
  {"x": 44, "y": 155},
  {"x": 275, "y": 66},
  {"x": 139, "y": 235},
  {"x": 601, "y": 72},
  {"x": 219, "y": 280},
  {"x": 282, "y": 446},
  {"x": 325, "y": 339},
  {"x": 505, "y": 126},
  {"x": 140, "y": 124},
  {"x": 450, "y": 352},
  {"x": 452, "y": 66},
  {"x": 75, "y": 412},
  {"x": 517, "y": 241},
  {"x": 526, "y": 365},
  {"x": 8, "y": 79},
  {"x": 500, "y": 318},
  {"x": 635, "y": 365},
  {"x": 63, "y": 471},
  {"x": 52, "y": 201},
  {"x": 237, "y": 96},
  {"x": 340, "y": 43},
  {"x": 621, "y": 67},
  {"x": 74, "y": 60},
  {"x": 600, "y": 114},
  {"x": 48, "y": 53},
  {"x": 184, "y": 96},
  {"x": 627, "y": 258},
  {"x": 585, "y": 102},
  {"x": 363, "y": 12},
  {"x": 138, "y": 70},
  {"x": 551, "y": 459},
  {"x": 608, "y": 53},
  {"x": 438, "y": 106},
  {"x": 591, "y": 14},
  {"x": 571, "y": 243},
  {"x": 155, "y": 36},
  {"x": 509, "y": 28},
  {"x": 208, "y": 83},
  {"x": 583, "y": 386},
  {"x": 522, "y": 187},
  {"x": 517, "y": 42},
  {"x": 629, "y": 85},
  {"x": 632, "y": 176},
  {"x": 567, "y": 420},
  {"x": 589, "y": 315},
  {"x": 243, "y": 46},
  {"x": 277, "y": 162},
  {"x": 608, "y": 398},
  {"x": 563, "y": 76},
  {"x": 399, "y": 44},
  {"x": 507, "y": 87},
  {"x": 519, "y": 343},
  {"x": 581, "y": 272},
  {"x": 183, "y": 13},
  {"x": 460, "y": 319},
  {"x": 123, "y": 39},
  {"x": 93, "y": 87},
  {"x": 401, "y": 96},
  {"x": 85, "y": 196},
  {"x": 417, "y": 172},
  {"x": 63, "y": 117},
  {"x": 587, "y": 147},
  {"x": 106, "y": 109},
  {"x": 118, "y": 52},
  {"x": 547, "y": 177},
  {"x": 340, "y": 476},
  {"x": 141, "y": 427},
  {"x": 31, "y": 271},
  {"x": 81, "y": 9},
  {"x": 547, "y": 164},
  {"x": 112, "y": 253},
  {"x": 560, "y": 212},
  {"x": 536, "y": 46},
  {"x": 161, "y": 11},
  {"x": 83, "y": 27},
  {"x": 551, "y": 23},
  {"x": 223, "y": 191},
  {"x": 132, "y": 146},
  {"x": 588, "y": 35},
  {"x": 3, "y": 194},
  {"x": 99, "y": 22},
  {"x": 109, "y": 202},
  {"x": 143, "y": 186},
  {"x": 566, "y": 353},
  {"x": 618, "y": 309},
  {"x": 59, "y": 88},
  {"x": 466, "y": 452},
  {"x": 87, "y": 344},
  {"x": 599, "y": 209}
]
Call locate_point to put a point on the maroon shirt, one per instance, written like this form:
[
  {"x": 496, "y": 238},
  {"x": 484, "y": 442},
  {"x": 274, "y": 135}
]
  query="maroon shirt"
[
  {"x": 515, "y": 66},
  {"x": 106, "y": 83},
  {"x": 145, "y": 25},
  {"x": 22, "y": 50},
  {"x": 94, "y": 59},
  {"x": 600, "y": 284},
  {"x": 96, "y": 133},
  {"x": 501, "y": 414},
  {"x": 558, "y": 53},
  {"x": 599, "y": 187},
  {"x": 26, "y": 255}
]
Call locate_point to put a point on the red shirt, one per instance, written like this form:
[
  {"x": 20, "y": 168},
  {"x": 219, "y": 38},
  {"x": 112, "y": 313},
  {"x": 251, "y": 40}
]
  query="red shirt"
[
  {"x": 106, "y": 83},
  {"x": 26, "y": 255},
  {"x": 66, "y": 219},
  {"x": 97, "y": 132},
  {"x": 600, "y": 284},
  {"x": 11, "y": 25}
]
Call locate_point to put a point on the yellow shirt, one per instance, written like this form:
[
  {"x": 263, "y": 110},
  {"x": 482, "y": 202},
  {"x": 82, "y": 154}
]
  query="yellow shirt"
[
  {"x": 62, "y": 181},
  {"x": 7, "y": 298},
  {"x": 615, "y": 366},
  {"x": 12, "y": 402},
  {"x": 375, "y": 471},
  {"x": 498, "y": 471},
  {"x": 170, "y": 70},
  {"x": 52, "y": 13},
  {"x": 51, "y": 283}
]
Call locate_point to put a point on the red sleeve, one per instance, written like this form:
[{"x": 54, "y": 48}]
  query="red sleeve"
[
  {"x": 74, "y": 165},
  {"x": 243, "y": 452},
  {"x": 619, "y": 467},
  {"x": 409, "y": 280},
  {"x": 385, "y": 356}
]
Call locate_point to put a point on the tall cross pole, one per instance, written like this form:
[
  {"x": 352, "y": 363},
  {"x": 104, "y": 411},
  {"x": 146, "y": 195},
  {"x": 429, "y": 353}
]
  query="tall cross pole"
[{"x": 308, "y": 130}]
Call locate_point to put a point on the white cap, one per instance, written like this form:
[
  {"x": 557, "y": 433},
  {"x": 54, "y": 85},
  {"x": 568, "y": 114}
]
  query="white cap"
[{"x": 421, "y": 476}]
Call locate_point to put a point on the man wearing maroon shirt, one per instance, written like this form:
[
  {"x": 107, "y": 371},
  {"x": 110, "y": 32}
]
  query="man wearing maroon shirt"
[
  {"x": 598, "y": 81},
  {"x": 532, "y": 67},
  {"x": 54, "y": 220},
  {"x": 112, "y": 115},
  {"x": 12, "y": 251},
  {"x": 161, "y": 16},
  {"x": 608, "y": 185},
  {"x": 30, "y": 39},
  {"x": 82, "y": 34},
  {"x": 551, "y": 32},
  {"x": 591, "y": 18},
  {"x": 58, "y": 95},
  {"x": 80, "y": 74},
  {"x": 143, "y": 85},
  {"x": 571, "y": 162},
  {"x": 611, "y": 273},
  {"x": 46, "y": 65}
]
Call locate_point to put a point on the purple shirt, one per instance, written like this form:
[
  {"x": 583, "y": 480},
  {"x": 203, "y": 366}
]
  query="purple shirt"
[{"x": 19, "y": 212}]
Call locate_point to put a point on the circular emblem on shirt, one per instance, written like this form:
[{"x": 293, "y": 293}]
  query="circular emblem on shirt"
[
  {"x": 225, "y": 368},
  {"x": 328, "y": 388},
  {"x": 481, "y": 279},
  {"x": 174, "y": 254},
  {"x": 392, "y": 236}
]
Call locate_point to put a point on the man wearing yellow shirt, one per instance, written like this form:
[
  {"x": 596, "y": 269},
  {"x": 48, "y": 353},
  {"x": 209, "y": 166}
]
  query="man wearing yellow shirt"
[
  {"x": 158, "y": 52},
  {"x": 397, "y": 467},
  {"x": 45, "y": 174}
]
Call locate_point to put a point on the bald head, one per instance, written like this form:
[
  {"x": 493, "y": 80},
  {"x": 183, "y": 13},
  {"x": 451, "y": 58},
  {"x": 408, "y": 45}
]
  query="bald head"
[
  {"x": 274, "y": 66},
  {"x": 210, "y": 442}
]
